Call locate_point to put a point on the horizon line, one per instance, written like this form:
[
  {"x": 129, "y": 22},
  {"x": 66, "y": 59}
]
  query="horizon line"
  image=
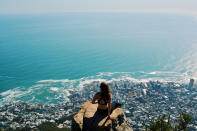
[{"x": 191, "y": 13}]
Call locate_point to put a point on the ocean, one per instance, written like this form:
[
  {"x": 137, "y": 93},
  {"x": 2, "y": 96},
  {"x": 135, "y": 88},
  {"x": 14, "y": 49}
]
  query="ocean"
[{"x": 42, "y": 56}]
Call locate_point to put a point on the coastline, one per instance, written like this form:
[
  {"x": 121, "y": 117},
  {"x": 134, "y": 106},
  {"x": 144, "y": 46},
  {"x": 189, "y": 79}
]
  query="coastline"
[
  {"x": 54, "y": 91},
  {"x": 145, "y": 101}
]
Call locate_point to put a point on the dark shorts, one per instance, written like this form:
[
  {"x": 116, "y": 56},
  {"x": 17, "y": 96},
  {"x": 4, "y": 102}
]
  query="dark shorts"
[
  {"x": 114, "y": 105},
  {"x": 103, "y": 112}
]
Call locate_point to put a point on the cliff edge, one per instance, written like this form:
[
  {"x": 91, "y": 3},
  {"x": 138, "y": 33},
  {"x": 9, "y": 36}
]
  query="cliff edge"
[{"x": 87, "y": 119}]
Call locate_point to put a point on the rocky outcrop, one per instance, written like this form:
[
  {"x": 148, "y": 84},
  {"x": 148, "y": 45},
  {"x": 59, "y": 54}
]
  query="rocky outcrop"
[{"x": 88, "y": 119}]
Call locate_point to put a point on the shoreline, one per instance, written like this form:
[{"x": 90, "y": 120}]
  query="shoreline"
[
  {"x": 142, "y": 102},
  {"x": 41, "y": 90}
]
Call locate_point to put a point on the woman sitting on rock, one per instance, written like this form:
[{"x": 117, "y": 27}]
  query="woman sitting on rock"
[{"x": 104, "y": 99}]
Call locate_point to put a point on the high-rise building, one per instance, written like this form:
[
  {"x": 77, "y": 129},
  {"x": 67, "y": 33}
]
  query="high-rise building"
[{"x": 191, "y": 83}]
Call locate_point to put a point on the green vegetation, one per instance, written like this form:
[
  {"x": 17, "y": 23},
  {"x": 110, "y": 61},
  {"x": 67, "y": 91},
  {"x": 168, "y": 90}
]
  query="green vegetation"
[
  {"x": 22, "y": 129},
  {"x": 49, "y": 126},
  {"x": 45, "y": 126},
  {"x": 160, "y": 124},
  {"x": 163, "y": 124},
  {"x": 183, "y": 121},
  {"x": 18, "y": 119},
  {"x": 64, "y": 118}
]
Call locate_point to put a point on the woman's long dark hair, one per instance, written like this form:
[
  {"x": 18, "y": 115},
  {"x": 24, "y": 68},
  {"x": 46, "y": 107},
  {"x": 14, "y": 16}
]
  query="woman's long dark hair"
[{"x": 105, "y": 91}]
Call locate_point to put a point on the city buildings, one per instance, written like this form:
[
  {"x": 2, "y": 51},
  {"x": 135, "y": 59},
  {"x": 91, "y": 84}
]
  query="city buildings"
[{"x": 142, "y": 102}]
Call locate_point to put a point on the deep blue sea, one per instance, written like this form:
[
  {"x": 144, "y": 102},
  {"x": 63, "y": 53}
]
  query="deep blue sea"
[{"x": 43, "y": 56}]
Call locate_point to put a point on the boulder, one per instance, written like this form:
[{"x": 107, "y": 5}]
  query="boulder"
[{"x": 88, "y": 119}]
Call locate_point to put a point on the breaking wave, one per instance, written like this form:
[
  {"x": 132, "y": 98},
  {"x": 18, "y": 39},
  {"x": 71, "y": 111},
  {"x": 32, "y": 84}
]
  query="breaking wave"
[{"x": 56, "y": 91}]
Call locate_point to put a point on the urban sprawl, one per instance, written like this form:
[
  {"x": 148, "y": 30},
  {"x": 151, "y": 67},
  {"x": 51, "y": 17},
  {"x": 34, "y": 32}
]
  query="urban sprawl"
[{"x": 141, "y": 102}]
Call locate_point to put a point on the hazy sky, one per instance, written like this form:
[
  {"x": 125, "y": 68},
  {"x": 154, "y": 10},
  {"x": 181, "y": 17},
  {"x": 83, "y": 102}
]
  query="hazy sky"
[{"x": 55, "y": 6}]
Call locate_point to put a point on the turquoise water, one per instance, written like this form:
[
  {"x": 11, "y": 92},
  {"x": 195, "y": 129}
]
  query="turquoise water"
[{"x": 43, "y": 55}]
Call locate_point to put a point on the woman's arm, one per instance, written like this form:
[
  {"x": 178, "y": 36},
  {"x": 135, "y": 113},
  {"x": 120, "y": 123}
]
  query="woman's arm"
[
  {"x": 109, "y": 106},
  {"x": 95, "y": 98}
]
